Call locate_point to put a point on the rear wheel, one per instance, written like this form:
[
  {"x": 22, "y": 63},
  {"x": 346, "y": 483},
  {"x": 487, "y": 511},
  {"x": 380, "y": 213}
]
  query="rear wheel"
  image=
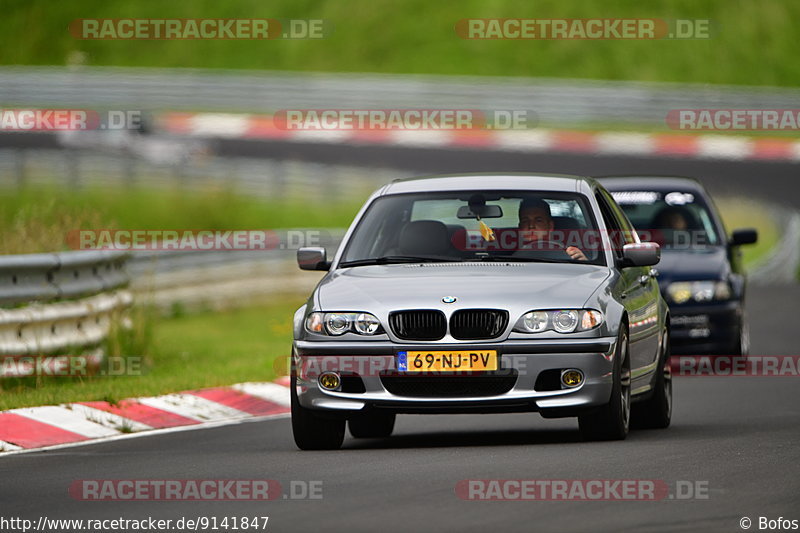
[
  {"x": 371, "y": 425},
  {"x": 312, "y": 431},
  {"x": 656, "y": 411},
  {"x": 612, "y": 421}
]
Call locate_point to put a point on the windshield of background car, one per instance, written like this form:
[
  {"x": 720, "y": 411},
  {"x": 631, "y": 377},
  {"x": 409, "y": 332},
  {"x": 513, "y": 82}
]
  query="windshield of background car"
[
  {"x": 432, "y": 226},
  {"x": 674, "y": 219}
]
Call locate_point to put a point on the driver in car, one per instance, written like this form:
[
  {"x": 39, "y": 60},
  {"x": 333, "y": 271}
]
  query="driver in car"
[{"x": 536, "y": 223}]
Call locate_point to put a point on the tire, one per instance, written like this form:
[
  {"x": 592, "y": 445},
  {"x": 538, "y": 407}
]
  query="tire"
[
  {"x": 312, "y": 431},
  {"x": 656, "y": 411},
  {"x": 612, "y": 421},
  {"x": 742, "y": 346},
  {"x": 371, "y": 425}
]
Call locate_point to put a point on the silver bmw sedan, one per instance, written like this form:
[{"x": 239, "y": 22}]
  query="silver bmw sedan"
[{"x": 482, "y": 293}]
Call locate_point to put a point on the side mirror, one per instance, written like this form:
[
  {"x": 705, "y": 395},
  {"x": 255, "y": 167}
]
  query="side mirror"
[
  {"x": 313, "y": 258},
  {"x": 744, "y": 236},
  {"x": 641, "y": 254}
]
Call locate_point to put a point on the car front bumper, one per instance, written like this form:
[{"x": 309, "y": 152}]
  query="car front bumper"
[
  {"x": 705, "y": 329},
  {"x": 522, "y": 364}
]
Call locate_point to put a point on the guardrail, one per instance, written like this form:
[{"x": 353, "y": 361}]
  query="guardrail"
[
  {"x": 781, "y": 265},
  {"x": 192, "y": 280},
  {"x": 555, "y": 101},
  {"x": 264, "y": 178},
  {"x": 51, "y": 302}
]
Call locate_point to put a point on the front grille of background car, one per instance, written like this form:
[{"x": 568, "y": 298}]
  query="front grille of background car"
[
  {"x": 472, "y": 324},
  {"x": 418, "y": 325},
  {"x": 449, "y": 386}
]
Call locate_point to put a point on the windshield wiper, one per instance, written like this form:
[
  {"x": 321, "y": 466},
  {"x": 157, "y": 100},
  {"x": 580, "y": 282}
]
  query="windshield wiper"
[
  {"x": 512, "y": 259},
  {"x": 396, "y": 259}
]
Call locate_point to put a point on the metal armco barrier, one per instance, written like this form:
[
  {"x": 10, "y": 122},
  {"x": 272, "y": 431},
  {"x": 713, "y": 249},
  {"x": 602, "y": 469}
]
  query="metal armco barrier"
[
  {"x": 46, "y": 277},
  {"x": 52, "y": 302},
  {"x": 554, "y": 101}
]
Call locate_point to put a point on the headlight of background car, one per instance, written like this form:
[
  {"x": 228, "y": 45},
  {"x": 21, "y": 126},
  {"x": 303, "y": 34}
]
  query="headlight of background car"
[
  {"x": 560, "y": 320},
  {"x": 699, "y": 291},
  {"x": 341, "y": 323}
]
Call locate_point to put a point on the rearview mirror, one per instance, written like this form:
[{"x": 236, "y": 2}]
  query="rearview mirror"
[
  {"x": 483, "y": 211},
  {"x": 313, "y": 258},
  {"x": 641, "y": 254},
  {"x": 744, "y": 236}
]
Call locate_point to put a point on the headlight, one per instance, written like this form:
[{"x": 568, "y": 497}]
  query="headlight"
[
  {"x": 341, "y": 323},
  {"x": 366, "y": 324},
  {"x": 337, "y": 323},
  {"x": 699, "y": 291},
  {"x": 535, "y": 321},
  {"x": 565, "y": 321},
  {"x": 559, "y": 320}
]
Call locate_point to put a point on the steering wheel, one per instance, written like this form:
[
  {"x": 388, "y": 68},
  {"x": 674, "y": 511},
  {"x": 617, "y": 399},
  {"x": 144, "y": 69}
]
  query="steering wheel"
[{"x": 541, "y": 245}]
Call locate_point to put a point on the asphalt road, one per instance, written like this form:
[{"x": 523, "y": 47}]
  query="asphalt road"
[
  {"x": 736, "y": 436},
  {"x": 767, "y": 180}
]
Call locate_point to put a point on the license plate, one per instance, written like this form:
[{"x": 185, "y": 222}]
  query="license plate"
[{"x": 459, "y": 361}]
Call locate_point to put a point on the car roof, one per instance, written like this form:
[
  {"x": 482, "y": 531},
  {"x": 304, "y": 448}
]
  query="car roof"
[
  {"x": 651, "y": 183},
  {"x": 490, "y": 181}
]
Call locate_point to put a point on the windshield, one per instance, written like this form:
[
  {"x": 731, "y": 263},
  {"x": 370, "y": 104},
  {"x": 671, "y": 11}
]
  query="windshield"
[
  {"x": 674, "y": 219},
  {"x": 462, "y": 226}
]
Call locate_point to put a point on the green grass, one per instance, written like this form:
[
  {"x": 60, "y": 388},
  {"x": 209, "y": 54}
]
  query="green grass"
[
  {"x": 38, "y": 218},
  {"x": 740, "y": 213},
  {"x": 184, "y": 353},
  {"x": 752, "y": 42}
]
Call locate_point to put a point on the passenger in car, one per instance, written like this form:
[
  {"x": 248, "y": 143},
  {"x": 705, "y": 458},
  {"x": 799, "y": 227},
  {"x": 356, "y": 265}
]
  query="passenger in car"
[
  {"x": 671, "y": 218},
  {"x": 536, "y": 223},
  {"x": 676, "y": 225}
]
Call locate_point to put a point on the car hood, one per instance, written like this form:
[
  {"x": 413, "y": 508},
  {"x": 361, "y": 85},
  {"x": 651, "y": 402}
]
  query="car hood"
[
  {"x": 514, "y": 286},
  {"x": 697, "y": 264}
]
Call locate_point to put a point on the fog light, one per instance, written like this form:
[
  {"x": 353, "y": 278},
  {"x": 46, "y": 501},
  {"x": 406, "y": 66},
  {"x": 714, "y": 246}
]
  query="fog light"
[
  {"x": 329, "y": 380},
  {"x": 571, "y": 378}
]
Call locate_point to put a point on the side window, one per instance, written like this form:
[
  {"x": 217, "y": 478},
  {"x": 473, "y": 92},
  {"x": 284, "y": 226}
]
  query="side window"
[
  {"x": 612, "y": 225},
  {"x": 628, "y": 232}
]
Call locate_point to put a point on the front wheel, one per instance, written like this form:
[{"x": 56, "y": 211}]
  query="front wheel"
[
  {"x": 742, "y": 346},
  {"x": 612, "y": 420},
  {"x": 656, "y": 411},
  {"x": 312, "y": 431}
]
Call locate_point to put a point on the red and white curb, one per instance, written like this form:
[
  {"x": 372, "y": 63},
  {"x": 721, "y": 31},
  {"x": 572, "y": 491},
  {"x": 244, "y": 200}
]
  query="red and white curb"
[
  {"x": 54, "y": 425},
  {"x": 709, "y": 146}
]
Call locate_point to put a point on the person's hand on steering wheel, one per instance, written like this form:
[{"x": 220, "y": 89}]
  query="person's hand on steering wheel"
[
  {"x": 572, "y": 251},
  {"x": 575, "y": 253}
]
